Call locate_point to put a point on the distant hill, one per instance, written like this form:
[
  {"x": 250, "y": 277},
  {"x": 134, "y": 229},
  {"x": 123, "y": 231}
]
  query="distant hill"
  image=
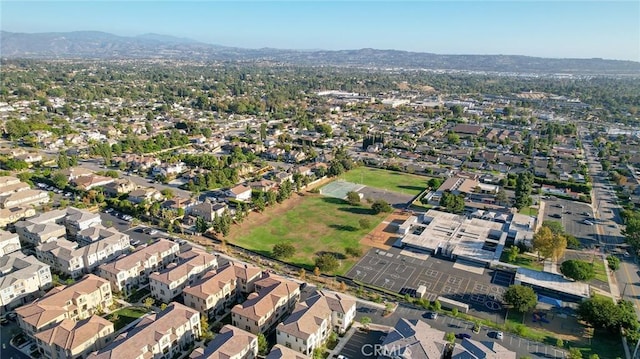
[{"x": 101, "y": 45}]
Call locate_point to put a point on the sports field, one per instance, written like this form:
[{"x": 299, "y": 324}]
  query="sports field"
[
  {"x": 317, "y": 224},
  {"x": 390, "y": 180}
]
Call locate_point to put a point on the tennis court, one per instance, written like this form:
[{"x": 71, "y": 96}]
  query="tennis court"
[{"x": 339, "y": 189}]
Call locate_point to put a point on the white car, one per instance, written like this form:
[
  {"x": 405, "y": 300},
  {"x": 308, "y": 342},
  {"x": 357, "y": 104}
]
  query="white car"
[
  {"x": 499, "y": 335},
  {"x": 587, "y": 222}
]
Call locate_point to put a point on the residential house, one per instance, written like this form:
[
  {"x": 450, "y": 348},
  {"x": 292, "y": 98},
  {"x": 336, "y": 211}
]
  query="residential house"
[
  {"x": 77, "y": 301},
  {"x": 169, "y": 170},
  {"x": 86, "y": 183},
  {"x": 282, "y": 177},
  {"x": 36, "y": 233},
  {"x": 14, "y": 214},
  {"x": 166, "y": 334},
  {"x": 263, "y": 185},
  {"x": 230, "y": 343},
  {"x": 72, "y": 173},
  {"x": 8, "y": 181},
  {"x": 78, "y": 220},
  {"x": 145, "y": 194},
  {"x": 275, "y": 297},
  {"x": 70, "y": 339},
  {"x": 62, "y": 256},
  {"x": 22, "y": 277},
  {"x": 134, "y": 269},
  {"x": 208, "y": 210},
  {"x": 281, "y": 352},
  {"x": 9, "y": 242},
  {"x": 415, "y": 339},
  {"x": 94, "y": 234},
  {"x": 474, "y": 349},
  {"x": 118, "y": 187},
  {"x": 467, "y": 130},
  {"x": 176, "y": 203},
  {"x": 214, "y": 292},
  {"x": 311, "y": 322},
  {"x": 169, "y": 283},
  {"x": 239, "y": 193},
  {"x": 27, "y": 197}
]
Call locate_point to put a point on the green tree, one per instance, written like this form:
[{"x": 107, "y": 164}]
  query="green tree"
[
  {"x": 613, "y": 262},
  {"x": 365, "y": 321},
  {"x": 381, "y": 206},
  {"x": 283, "y": 250},
  {"x": 437, "y": 306},
  {"x": 450, "y": 337},
  {"x": 327, "y": 262},
  {"x": 263, "y": 346},
  {"x": 524, "y": 186},
  {"x": 167, "y": 193},
  {"x": 354, "y": 252},
  {"x": 520, "y": 298},
  {"x": 364, "y": 223},
  {"x": 353, "y": 198},
  {"x": 574, "y": 353},
  {"x": 148, "y": 302},
  {"x": 59, "y": 180},
  {"x": 512, "y": 254},
  {"x": 577, "y": 269},
  {"x": 549, "y": 245},
  {"x": 434, "y": 183}
]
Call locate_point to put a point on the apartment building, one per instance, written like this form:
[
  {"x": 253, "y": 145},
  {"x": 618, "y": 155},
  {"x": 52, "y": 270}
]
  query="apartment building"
[
  {"x": 70, "y": 339},
  {"x": 27, "y": 197},
  {"x": 78, "y": 220},
  {"x": 134, "y": 269},
  {"x": 311, "y": 322},
  {"x": 38, "y": 233},
  {"x": 214, "y": 292},
  {"x": 9, "y": 242},
  {"x": 159, "y": 335},
  {"x": 15, "y": 214},
  {"x": 281, "y": 352},
  {"x": 62, "y": 256},
  {"x": 169, "y": 283},
  {"x": 275, "y": 297},
  {"x": 247, "y": 276},
  {"x": 22, "y": 278},
  {"x": 95, "y": 234},
  {"x": 77, "y": 301},
  {"x": 65, "y": 256},
  {"x": 8, "y": 181},
  {"x": 230, "y": 343},
  {"x": 12, "y": 188}
]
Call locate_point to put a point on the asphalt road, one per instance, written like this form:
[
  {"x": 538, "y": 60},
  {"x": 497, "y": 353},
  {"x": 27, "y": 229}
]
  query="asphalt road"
[
  {"x": 608, "y": 227},
  {"x": 6, "y": 350}
]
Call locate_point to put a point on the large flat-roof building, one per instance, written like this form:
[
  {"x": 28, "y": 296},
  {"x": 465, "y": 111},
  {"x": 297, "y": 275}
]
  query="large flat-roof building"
[
  {"x": 454, "y": 236},
  {"x": 553, "y": 285}
]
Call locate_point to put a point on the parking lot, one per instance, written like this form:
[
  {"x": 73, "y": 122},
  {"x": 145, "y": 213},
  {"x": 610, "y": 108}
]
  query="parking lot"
[
  {"x": 362, "y": 345},
  {"x": 573, "y": 216},
  {"x": 400, "y": 273}
]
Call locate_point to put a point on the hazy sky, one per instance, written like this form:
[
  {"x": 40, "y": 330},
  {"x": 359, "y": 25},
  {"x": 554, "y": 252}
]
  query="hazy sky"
[{"x": 583, "y": 29}]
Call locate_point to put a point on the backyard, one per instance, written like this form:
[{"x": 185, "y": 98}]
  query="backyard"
[
  {"x": 316, "y": 224},
  {"x": 124, "y": 316},
  {"x": 389, "y": 180}
]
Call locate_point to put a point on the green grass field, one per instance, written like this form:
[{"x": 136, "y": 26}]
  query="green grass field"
[
  {"x": 529, "y": 211},
  {"x": 389, "y": 180},
  {"x": 600, "y": 271},
  {"x": 318, "y": 224},
  {"x": 126, "y": 316},
  {"x": 524, "y": 261}
]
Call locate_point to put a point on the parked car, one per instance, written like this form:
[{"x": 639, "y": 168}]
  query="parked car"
[
  {"x": 587, "y": 222},
  {"x": 499, "y": 335},
  {"x": 463, "y": 336},
  {"x": 431, "y": 315}
]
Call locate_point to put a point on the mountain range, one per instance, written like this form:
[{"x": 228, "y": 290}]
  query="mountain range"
[{"x": 101, "y": 45}]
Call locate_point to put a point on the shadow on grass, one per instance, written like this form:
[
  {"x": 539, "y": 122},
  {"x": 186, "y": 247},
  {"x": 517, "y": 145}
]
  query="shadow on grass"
[
  {"x": 343, "y": 227},
  {"x": 338, "y": 255},
  {"x": 357, "y": 210},
  {"x": 333, "y": 200}
]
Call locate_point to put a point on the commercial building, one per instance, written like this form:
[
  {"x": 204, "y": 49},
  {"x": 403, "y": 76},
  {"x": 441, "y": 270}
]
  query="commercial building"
[{"x": 454, "y": 236}]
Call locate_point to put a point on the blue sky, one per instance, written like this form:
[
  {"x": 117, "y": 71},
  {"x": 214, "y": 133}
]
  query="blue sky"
[{"x": 582, "y": 29}]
